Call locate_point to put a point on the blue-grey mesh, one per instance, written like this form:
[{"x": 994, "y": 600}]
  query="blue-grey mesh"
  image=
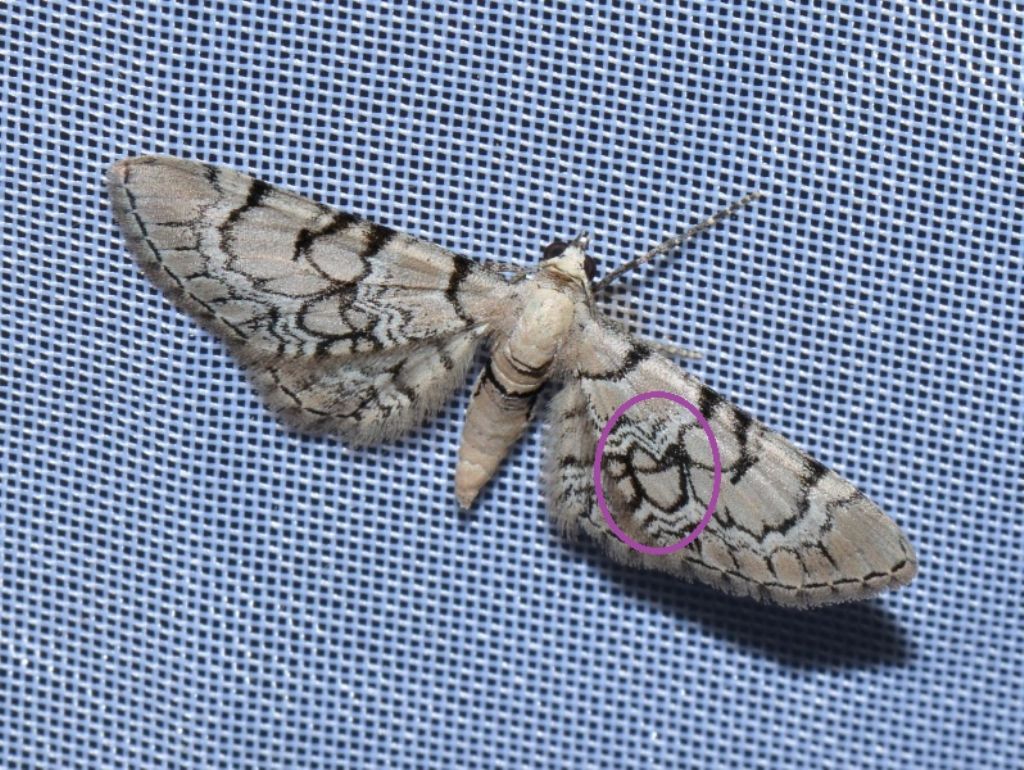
[{"x": 186, "y": 584}]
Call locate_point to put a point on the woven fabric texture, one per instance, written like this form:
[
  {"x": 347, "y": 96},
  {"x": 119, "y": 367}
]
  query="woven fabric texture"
[{"x": 187, "y": 584}]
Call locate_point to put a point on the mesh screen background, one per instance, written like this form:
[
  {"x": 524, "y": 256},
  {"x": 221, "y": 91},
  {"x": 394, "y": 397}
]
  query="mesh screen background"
[{"x": 187, "y": 584}]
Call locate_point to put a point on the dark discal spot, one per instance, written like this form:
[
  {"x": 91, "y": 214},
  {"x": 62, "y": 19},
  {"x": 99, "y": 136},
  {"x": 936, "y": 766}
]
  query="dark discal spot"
[
  {"x": 746, "y": 462},
  {"x": 743, "y": 423},
  {"x": 376, "y": 239},
  {"x": 571, "y": 461},
  {"x": 460, "y": 270},
  {"x": 589, "y": 267},
  {"x": 305, "y": 239},
  {"x": 554, "y": 249},
  {"x": 637, "y": 353},
  {"x": 709, "y": 401},
  {"x": 815, "y": 472},
  {"x": 258, "y": 190}
]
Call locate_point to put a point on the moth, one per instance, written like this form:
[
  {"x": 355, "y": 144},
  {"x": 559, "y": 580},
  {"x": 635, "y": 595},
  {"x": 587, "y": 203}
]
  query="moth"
[{"x": 352, "y": 328}]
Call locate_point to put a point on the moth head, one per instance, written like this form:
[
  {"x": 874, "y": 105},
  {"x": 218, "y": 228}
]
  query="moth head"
[{"x": 570, "y": 260}]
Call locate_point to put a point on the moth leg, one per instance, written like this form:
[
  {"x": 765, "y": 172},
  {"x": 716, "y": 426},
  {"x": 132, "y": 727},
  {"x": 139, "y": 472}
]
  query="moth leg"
[
  {"x": 674, "y": 351},
  {"x": 516, "y": 271},
  {"x": 668, "y": 349}
]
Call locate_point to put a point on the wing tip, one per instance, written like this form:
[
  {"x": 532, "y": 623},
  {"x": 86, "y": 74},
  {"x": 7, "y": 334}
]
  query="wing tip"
[
  {"x": 117, "y": 173},
  {"x": 904, "y": 572}
]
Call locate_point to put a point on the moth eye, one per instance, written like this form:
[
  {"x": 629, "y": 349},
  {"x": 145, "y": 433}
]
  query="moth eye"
[
  {"x": 589, "y": 267},
  {"x": 554, "y": 249}
]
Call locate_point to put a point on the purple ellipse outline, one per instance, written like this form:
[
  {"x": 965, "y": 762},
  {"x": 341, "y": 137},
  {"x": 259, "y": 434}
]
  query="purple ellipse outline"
[{"x": 598, "y": 488}]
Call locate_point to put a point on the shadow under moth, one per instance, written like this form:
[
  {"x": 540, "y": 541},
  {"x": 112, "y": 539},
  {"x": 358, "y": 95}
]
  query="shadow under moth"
[{"x": 352, "y": 328}]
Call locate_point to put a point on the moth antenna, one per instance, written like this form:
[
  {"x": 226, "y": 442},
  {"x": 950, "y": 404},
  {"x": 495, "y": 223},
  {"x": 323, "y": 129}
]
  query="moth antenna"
[{"x": 676, "y": 240}]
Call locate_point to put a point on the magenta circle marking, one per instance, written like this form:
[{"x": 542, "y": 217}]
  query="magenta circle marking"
[{"x": 715, "y": 488}]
